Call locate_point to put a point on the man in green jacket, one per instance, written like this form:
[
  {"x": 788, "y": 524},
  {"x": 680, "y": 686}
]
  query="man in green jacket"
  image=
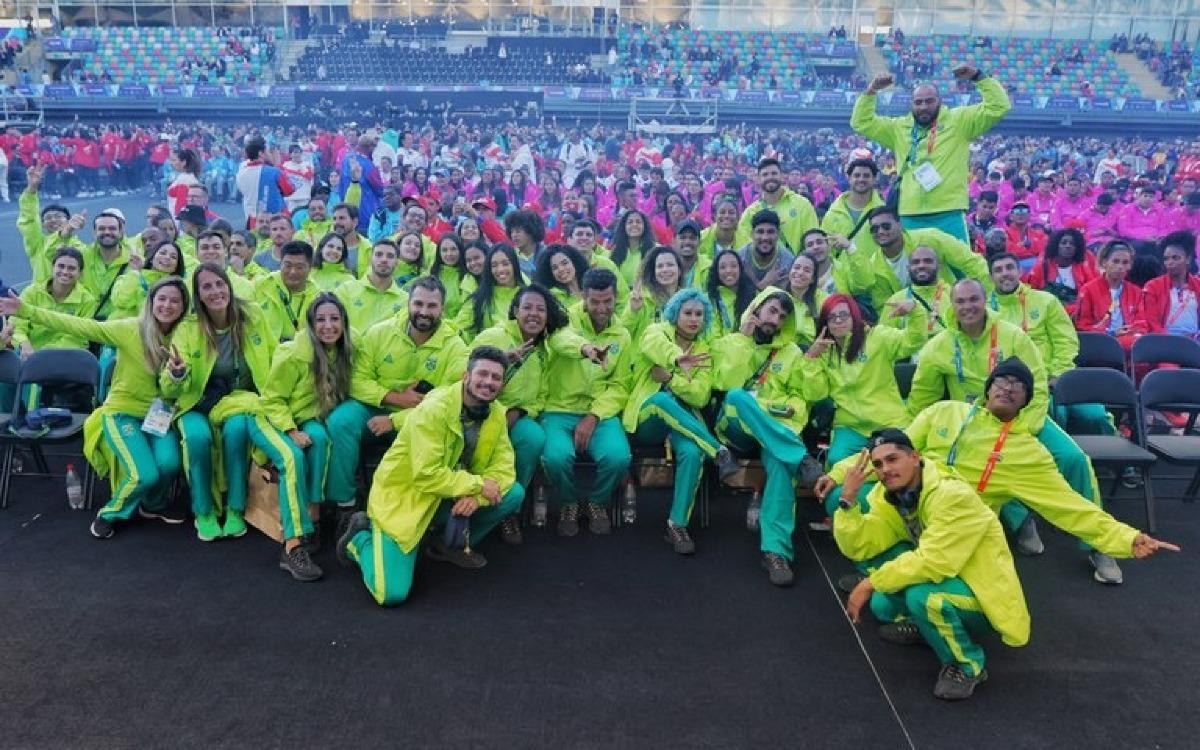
[
  {"x": 396, "y": 363},
  {"x": 582, "y": 412},
  {"x": 44, "y": 230},
  {"x": 758, "y": 366},
  {"x": 948, "y": 572},
  {"x": 964, "y": 437},
  {"x": 888, "y": 268},
  {"x": 284, "y": 295},
  {"x": 849, "y": 208},
  {"x": 932, "y": 146},
  {"x": 795, "y": 212},
  {"x": 927, "y": 289},
  {"x": 451, "y": 464},
  {"x": 105, "y": 259},
  {"x": 376, "y": 296}
]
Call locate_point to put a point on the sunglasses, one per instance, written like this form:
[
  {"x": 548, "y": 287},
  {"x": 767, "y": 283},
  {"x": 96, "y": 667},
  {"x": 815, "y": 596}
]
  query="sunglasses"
[{"x": 882, "y": 226}]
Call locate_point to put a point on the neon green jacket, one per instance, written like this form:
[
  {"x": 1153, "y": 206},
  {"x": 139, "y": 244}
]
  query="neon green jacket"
[
  {"x": 960, "y": 536},
  {"x": 79, "y": 303},
  {"x": 493, "y": 315},
  {"x": 838, "y": 220},
  {"x": 99, "y": 276},
  {"x": 330, "y": 276},
  {"x": 40, "y": 246},
  {"x": 421, "y": 469},
  {"x": 770, "y": 371},
  {"x": 939, "y": 315},
  {"x": 796, "y": 216},
  {"x": 956, "y": 364},
  {"x": 283, "y": 310},
  {"x": 600, "y": 260},
  {"x": 387, "y": 359},
  {"x": 637, "y": 321},
  {"x": 806, "y": 325},
  {"x": 627, "y": 272},
  {"x": 450, "y": 279},
  {"x": 1043, "y": 317},
  {"x": 1026, "y": 470},
  {"x": 129, "y": 293},
  {"x": 708, "y": 243},
  {"x": 366, "y": 305},
  {"x": 723, "y": 318},
  {"x": 576, "y": 385},
  {"x": 290, "y": 396},
  {"x": 243, "y": 286},
  {"x": 955, "y": 260},
  {"x": 658, "y": 347},
  {"x": 258, "y": 346},
  {"x": 697, "y": 277},
  {"x": 525, "y": 384},
  {"x": 312, "y": 232},
  {"x": 956, "y": 128},
  {"x": 865, "y": 390}
]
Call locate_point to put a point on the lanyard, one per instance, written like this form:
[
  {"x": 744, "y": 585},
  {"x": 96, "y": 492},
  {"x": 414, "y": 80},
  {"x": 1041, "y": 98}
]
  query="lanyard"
[
  {"x": 760, "y": 377},
  {"x": 1185, "y": 298},
  {"x": 934, "y": 316},
  {"x": 993, "y": 457},
  {"x": 287, "y": 308},
  {"x": 1024, "y": 312},
  {"x": 916, "y": 139},
  {"x": 958, "y": 356}
]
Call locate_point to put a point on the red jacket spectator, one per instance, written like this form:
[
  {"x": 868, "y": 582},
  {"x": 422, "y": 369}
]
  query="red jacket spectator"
[
  {"x": 1030, "y": 243},
  {"x": 1096, "y": 310},
  {"x": 1156, "y": 301},
  {"x": 1047, "y": 275}
]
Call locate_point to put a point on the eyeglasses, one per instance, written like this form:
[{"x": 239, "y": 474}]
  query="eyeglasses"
[
  {"x": 1020, "y": 211},
  {"x": 883, "y": 226},
  {"x": 1009, "y": 383},
  {"x": 838, "y": 317}
]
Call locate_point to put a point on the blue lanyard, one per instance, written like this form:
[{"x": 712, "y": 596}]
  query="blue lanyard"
[{"x": 952, "y": 456}]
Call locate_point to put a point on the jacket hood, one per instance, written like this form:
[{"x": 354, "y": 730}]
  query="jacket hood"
[{"x": 787, "y": 329}]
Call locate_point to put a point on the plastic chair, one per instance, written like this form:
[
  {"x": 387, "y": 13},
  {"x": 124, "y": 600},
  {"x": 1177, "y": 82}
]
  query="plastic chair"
[
  {"x": 51, "y": 368},
  {"x": 1100, "y": 350},
  {"x": 1113, "y": 389},
  {"x": 1178, "y": 391},
  {"x": 1165, "y": 348}
]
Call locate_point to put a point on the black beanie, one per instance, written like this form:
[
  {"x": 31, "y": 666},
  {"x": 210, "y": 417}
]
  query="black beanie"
[{"x": 1013, "y": 368}]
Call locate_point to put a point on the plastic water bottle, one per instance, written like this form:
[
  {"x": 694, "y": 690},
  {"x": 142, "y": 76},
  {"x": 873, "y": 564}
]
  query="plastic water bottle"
[
  {"x": 629, "y": 504},
  {"x": 540, "y": 510},
  {"x": 74, "y": 489},
  {"x": 754, "y": 511}
]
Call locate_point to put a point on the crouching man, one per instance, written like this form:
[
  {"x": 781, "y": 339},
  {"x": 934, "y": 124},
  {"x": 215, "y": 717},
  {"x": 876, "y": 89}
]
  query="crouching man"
[{"x": 451, "y": 466}]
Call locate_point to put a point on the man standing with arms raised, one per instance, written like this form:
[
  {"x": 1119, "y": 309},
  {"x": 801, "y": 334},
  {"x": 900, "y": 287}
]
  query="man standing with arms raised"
[{"x": 932, "y": 146}]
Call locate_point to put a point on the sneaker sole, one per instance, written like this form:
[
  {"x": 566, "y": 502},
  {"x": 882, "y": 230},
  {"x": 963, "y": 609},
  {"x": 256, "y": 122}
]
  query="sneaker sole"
[
  {"x": 1107, "y": 581},
  {"x": 152, "y": 516},
  {"x": 100, "y": 537},
  {"x": 227, "y": 535},
  {"x": 297, "y": 576}
]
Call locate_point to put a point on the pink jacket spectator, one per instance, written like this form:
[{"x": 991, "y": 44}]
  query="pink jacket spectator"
[
  {"x": 1066, "y": 208},
  {"x": 1182, "y": 218},
  {"x": 1098, "y": 227},
  {"x": 1041, "y": 207},
  {"x": 1135, "y": 224}
]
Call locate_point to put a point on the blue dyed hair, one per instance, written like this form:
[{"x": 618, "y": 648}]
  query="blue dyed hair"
[{"x": 670, "y": 311}]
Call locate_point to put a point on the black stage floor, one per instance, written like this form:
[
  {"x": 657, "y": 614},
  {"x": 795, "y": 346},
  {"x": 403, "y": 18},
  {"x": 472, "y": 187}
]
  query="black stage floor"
[{"x": 154, "y": 639}]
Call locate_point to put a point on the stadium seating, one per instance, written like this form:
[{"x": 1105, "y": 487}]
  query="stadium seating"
[
  {"x": 787, "y": 57},
  {"x": 1022, "y": 64},
  {"x": 152, "y": 54}
]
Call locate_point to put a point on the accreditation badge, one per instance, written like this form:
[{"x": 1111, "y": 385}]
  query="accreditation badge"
[
  {"x": 927, "y": 176},
  {"x": 158, "y": 419}
]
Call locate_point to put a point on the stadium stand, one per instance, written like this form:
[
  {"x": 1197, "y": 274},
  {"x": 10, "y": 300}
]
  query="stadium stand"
[{"x": 174, "y": 55}]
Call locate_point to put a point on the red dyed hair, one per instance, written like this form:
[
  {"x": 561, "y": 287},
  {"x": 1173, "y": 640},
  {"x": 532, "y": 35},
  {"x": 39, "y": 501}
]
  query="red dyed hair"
[{"x": 858, "y": 335}]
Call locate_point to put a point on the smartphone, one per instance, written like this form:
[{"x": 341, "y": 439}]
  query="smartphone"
[{"x": 423, "y": 386}]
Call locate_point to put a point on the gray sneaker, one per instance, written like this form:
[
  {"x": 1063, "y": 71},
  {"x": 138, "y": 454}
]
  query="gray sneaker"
[
  {"x": 1028, "y": 540},
  {"x": 510, "y": 531},
  {"x": 459, "y": 556},
  {"x": 953, "y": 684},
  {"x": 299, "y": 564},
  {"x": 598, "y": 522},
  {"x": 679, "y": 539},
  {"x": 727, "y": 465},
  {"x": 1106, "y": 569},
  {"x": 568, "y": 519},
  {"x": 901, "y": 633},
  {"x": 355, "y": 522},
  {"x": 779, "y": 570}
]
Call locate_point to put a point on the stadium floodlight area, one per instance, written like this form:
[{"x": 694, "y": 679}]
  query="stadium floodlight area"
[{"x": 673, "y": 116}]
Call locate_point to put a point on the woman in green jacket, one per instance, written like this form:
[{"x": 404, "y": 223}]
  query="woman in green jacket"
[
  {"x": 730, "y": 291},
  {"x": 449, "y": 267},
  {"x": 498, "y": 287},
  {"x": 632, "y": 241},
  {"x": 130, "y": 289},
  {"x": 660, "y": 278},
  {"x": 329, "y": 263},
  {"x": 140, "y": 455},
  {"x": 560, "y": 268},
  {"x": 806, "y": 297},
  {"x": 672, "y": 379},
  {"x": 220, "y": 363},
  {"x": 310, "y": 375}
]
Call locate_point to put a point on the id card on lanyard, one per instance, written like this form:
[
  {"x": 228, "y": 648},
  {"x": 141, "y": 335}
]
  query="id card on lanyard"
[
  {"x": 993, "y": 457},
  {"x": 959, "y": 368},
  {"x": 925, "y": 173},
  {"x": 760, "y": 377},
  {"x": 1024, "y": 311}
]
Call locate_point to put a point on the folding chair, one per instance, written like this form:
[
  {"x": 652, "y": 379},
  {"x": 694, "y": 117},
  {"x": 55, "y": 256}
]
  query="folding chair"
[
  {"x": 1164, "y": 348},
  {"x": 1178, "y": 391},
  {"x": 1100, "y": 385},
  {"x": 10, "y": 375},
  {"x": 51, "y": 368},
  {"x": 1100, "y": 350}
]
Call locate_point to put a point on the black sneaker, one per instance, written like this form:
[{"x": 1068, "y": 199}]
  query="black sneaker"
[
  {"x": 953, "y": 684},
  {"x": 598, "y": 521},
  {"x": 779, "y": 570},
  {"x": 169, "y": 515},
  {"x": 849, "y": 582},
  {"x": 568, "y": 520},
  {"x": 344, "y": 514},
  {"x": 461, "y": 557},
  {"x": 299, "y": 564},
  {"x": 679, "y": 539},
  {"x": 101, "y": 528},
  {"x": 727, "y": 465},
  {"x": 510, "y": 531},
  {"x": 312, "y": 542},
  {"x": 901, "y": 633},
  {"x": 355, "y": 522},
  {"x": 810, "y": 471}
]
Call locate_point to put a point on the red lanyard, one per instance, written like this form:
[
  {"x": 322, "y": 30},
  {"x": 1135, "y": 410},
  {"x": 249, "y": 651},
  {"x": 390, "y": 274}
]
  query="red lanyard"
[
  {"x": 992, "y": 353},
  {"x": 1184, "y": 297},
  {"x": 994, "y": 457},
  {"x": 765, "y": 371},
  {"x": 932, "y": 138},
  {"x": 1024, "y": 314}
]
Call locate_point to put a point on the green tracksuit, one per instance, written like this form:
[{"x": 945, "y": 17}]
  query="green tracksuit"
[
  {"x": 329, "y": 276},
  {"x": 79, "y": 303},
  {"x": 840, "y": 220},
  {"x": 129, "y": 293},
  {"x": 525, "y": 388},
  {"x": 40, "y": 246},
  {"x": 290, "y": 403},
  {"x": 216, "y": 446},
  {"x": 494, "y": 313},
  {"x": 945, "y": 148},
  {"x": 956, "y": 260},
  {"x": 385, "y": 359},
  {"x": 934, "y": 301},
  {"x": 762, "y": 379},
  {"x": 283, "y": 309},
  {"x": 577, "y": 387},
  {"x": 662, "y": 412},
  {"x": 796, "y": 216},
  {"x": 419, "y": 478},
  {"x": 141, "y": 467},
  {"x": 957, "y": 577},
  {"x": 100, "y": 277},
  {"x": 366, "y": 305}
]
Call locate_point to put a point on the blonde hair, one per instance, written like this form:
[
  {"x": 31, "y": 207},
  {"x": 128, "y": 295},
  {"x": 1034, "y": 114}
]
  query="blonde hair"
[{"x": 154, "y": 340}]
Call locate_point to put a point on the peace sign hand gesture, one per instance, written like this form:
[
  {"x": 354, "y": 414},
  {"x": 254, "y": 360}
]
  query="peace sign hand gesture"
[
  {"x": 175, "y": 363},
  {"x": 820, "y": 345},
  {"x": 855, "y": 477}
]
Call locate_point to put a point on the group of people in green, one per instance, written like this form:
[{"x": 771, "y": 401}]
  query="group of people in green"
[{"x": 474, "y": 374}]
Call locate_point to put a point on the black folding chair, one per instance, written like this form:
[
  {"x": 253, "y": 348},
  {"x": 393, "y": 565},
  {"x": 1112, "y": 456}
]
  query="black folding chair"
[
  {"x": 10, "y": 376},
  {"x": 1165, "y": 348},
  {"x": 1177, "y": 391},
  {"x": 1100, "y": 350},
  {"x": 1100, "y": 385},
  {"x": 50, "y": 369}
]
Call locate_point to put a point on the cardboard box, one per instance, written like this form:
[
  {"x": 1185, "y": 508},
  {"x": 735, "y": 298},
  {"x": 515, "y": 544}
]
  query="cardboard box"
[{"x": 262, "y": 504}]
